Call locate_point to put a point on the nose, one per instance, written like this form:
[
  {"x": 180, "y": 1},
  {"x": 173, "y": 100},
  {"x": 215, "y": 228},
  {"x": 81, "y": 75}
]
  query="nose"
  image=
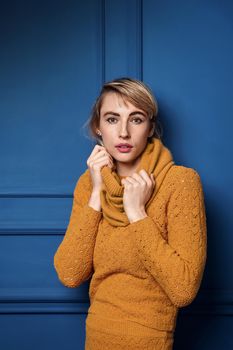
[{"x": 123, "y": 132}]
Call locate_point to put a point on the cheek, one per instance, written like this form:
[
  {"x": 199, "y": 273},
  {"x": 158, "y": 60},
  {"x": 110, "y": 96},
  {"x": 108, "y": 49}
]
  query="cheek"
[
  {"x": 142, "y": 133},
  {"x": 106, "y": 128},
  {"x": 109, "y": 133}
]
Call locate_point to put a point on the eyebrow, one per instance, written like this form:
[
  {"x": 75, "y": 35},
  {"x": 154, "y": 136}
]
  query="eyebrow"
[{"x": 118, "y": 115}]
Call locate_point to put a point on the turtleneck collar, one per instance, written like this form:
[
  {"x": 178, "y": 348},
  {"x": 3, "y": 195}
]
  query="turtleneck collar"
[{"x": 156, "y": 159}]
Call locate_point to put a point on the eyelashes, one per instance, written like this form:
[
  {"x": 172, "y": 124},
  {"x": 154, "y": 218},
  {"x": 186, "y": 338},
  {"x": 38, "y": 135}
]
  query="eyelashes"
[{"x": 112, "y": 118}]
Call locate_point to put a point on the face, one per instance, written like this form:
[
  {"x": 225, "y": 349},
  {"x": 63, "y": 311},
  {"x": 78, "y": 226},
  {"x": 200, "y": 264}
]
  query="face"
[{"x": 122, "y": 122}]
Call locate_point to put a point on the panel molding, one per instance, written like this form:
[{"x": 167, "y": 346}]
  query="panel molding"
[
  {"x": 49, "y": 300},
  {"x": 33, "y": 231},
  {"x": 34, "y": 195},
  {"x": 44, "y": 308},
  {"x": 123, "y": 39},
  {"x": 40, "y": 214}
]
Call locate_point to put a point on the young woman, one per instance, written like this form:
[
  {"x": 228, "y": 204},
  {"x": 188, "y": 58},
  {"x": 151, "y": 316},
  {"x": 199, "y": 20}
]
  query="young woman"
[{"x": 137, "y": 227}]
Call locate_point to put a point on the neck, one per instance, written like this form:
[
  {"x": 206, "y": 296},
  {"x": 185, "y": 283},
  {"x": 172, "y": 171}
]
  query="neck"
[{"x": 127, "y": 169}]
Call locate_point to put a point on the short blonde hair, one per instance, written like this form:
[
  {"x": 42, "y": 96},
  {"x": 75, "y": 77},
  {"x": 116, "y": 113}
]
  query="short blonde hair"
[{"x": 132, "y": 90}]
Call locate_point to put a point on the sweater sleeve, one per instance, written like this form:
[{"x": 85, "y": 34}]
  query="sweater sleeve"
[
  {"x": 73, "y": 260},
  {"x": 177, "y": 263}
]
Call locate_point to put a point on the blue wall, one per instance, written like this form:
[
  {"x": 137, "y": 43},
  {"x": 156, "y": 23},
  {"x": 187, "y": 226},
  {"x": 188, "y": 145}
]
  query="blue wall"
[{"x": 54, "y": 57}]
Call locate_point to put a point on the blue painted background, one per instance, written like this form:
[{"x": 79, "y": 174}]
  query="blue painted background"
[{"x": 54, "y": 57}]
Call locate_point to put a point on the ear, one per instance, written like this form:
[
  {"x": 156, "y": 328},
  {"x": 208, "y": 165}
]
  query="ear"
[
  {"x": 98, "y": 132},
  {"x": 152, "y": 129}
]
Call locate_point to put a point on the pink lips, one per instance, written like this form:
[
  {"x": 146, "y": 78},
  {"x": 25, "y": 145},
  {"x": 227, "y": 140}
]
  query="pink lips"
[
  {"x": 124, "y": 147},
  {"x": 124, "y": 144}
]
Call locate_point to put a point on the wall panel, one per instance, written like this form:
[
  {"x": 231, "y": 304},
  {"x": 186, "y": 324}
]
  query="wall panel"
[{"x": 55, "y": 55}]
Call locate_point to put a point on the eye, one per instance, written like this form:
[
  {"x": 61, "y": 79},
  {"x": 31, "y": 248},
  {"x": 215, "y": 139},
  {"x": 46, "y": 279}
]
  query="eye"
[
  {"x": 113, "y": 120},
  {"x": 110, "y": 118},
  {"x": 139, "y": 120}
]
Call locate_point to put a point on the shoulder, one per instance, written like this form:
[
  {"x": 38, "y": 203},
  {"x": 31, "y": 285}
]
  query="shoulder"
[
  {"x": 180, "y": 173},
  {"x": 182, "y": 177}
]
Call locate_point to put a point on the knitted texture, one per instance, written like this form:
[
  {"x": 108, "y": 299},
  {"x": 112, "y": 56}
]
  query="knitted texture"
[
  {"x": 96, "y": 340},
  {"x": 141, "y": 273},
  {"x": 156, "y": 159}
]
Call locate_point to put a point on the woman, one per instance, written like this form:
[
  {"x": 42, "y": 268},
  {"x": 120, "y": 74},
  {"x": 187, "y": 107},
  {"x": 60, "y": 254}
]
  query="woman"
[{"x": 137, "y": 227}]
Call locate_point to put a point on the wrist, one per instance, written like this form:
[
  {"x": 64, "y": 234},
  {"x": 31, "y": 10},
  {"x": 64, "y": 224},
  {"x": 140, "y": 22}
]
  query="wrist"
[
  {"x": 96, "y": 190},
  {"x": 137, "y": 215},
  {"x": 94, "y": 200}
]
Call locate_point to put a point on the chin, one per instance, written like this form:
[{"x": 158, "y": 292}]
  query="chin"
[{"x": 125, "y": 158}]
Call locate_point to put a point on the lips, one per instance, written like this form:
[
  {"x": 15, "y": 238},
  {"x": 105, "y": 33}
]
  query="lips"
[{"x": 124, "y": 147}]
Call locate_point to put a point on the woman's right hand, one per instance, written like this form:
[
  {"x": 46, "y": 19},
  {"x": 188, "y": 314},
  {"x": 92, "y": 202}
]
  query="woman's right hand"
[{"x": 97, "y": 159}]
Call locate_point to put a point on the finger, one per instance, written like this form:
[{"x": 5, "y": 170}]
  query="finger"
[
  {"x": 100, "y": 160},
  {"x": 139, "y": 178},
  {"x": 102, "y": 163},
  {"x": 99, "y": 150},
  {"x": 96, "y": 150},
  {"x": 103, "y": 157},
  {"x": 146, "y": 176},
  {"x": 102, "y": 153},
  {"x": 125, "y": 181},
  {"x": 153, "y": 179},
  {"x": 131, "y": 180},
  {"x": 99, "y": 153}
]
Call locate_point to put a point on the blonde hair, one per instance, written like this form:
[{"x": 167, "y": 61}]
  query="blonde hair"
[{"x": 132, "y": 90}]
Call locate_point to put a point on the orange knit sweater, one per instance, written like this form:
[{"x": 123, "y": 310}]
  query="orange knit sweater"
[{"x": 141, "y": 272}]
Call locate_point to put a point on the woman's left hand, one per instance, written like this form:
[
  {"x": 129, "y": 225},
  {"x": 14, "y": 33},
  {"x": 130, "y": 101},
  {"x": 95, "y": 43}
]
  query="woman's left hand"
[{"x": 138, "y": 189}]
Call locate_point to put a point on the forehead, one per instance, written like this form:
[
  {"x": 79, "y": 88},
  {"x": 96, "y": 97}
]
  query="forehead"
[{"x": 115, "y": 101}]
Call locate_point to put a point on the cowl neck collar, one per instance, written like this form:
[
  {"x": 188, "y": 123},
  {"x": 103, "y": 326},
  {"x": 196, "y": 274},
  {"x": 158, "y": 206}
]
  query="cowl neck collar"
[{"x": 156, "y": 159}]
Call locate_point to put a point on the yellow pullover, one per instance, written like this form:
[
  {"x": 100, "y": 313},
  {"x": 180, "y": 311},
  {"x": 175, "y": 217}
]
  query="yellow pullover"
[{"x": 141, "y": 272}]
